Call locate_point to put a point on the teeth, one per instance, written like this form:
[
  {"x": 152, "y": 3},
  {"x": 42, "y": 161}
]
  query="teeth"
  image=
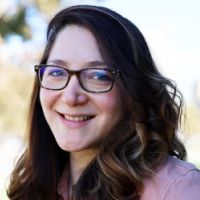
[{"x": 77, "y": 118}]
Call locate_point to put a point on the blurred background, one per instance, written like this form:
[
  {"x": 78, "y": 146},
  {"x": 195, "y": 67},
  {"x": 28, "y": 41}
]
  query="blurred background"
[{"x": 171, "y": 28}]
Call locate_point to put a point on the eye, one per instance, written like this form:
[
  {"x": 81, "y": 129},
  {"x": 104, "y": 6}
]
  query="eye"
[
  {"x": 55, "y": 72},
  {"x": 99, "y": 75}
]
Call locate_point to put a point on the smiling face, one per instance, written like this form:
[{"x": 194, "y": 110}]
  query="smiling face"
[{"x": 79, "y": 120}]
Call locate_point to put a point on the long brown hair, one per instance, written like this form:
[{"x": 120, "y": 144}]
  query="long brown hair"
[{"x": 138, "y": 143}]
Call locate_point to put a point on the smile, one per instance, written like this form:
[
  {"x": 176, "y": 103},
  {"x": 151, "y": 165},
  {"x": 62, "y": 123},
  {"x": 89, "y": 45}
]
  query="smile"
[{"x": 77, "y": 118}]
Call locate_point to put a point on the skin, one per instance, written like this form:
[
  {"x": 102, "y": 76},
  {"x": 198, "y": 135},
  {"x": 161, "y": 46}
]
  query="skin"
[{"x": 75, "y": 48}]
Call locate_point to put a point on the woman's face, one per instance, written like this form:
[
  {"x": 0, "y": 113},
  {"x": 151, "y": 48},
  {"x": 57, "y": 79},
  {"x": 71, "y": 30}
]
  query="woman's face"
[{"x": 79, "y": 120}]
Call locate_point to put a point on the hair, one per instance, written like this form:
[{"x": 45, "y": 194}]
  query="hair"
[{"x": 139, "y": 143}]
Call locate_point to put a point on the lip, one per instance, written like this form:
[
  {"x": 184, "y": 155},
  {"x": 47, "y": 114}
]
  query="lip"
[{"x": 71, "y": 121}]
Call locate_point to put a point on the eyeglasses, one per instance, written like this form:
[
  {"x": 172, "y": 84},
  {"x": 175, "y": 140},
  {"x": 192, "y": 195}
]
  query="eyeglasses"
[{"x": 95, "y": 80}]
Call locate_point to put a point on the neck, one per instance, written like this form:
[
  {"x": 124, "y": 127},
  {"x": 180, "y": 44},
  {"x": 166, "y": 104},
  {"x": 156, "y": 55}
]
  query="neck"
[{"x": 78, "y": 162}]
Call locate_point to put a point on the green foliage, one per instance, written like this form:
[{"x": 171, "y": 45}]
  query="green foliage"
[{"x": 15, "y": 24}]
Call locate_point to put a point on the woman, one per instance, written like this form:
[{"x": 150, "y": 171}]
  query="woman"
[{"x": 103, "y": 120}]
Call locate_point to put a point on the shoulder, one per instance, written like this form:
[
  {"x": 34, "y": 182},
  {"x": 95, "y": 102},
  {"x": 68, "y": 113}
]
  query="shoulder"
[{"x": 175, "y": 179}]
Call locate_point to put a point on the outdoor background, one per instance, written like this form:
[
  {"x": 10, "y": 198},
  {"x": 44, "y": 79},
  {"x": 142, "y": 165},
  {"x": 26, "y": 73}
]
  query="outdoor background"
[{"x": 171, "y": 28}]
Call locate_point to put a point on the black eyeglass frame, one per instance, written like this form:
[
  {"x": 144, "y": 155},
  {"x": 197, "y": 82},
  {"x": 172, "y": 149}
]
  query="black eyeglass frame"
[{"x": 115, "y": 72}]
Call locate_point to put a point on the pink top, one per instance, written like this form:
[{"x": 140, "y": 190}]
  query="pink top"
[{"x": 174, "y": 180}]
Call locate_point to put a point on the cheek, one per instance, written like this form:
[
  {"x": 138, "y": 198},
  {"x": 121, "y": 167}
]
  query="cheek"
[
  {"x": 112, "y": 104},
  {"x": 47, "y": 99}
]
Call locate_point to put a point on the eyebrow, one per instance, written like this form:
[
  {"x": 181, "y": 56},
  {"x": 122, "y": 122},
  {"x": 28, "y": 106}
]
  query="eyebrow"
[
  {"x": 87, "y": 64},
  {"x": 58, "y": 62}
]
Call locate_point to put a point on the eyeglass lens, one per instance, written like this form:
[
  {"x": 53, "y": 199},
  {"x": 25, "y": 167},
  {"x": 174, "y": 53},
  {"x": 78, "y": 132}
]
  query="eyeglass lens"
[{"x": 90, "y": 79}]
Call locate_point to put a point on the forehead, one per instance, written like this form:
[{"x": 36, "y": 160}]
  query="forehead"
[{"x": 75, "y": 44}]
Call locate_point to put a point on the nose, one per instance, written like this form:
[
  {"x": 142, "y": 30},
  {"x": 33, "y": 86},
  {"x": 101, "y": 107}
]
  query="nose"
[{"x": 73, "y": 94}]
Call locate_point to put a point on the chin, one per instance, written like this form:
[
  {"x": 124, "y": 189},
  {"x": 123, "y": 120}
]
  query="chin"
[{"x": 70, "y": 148}]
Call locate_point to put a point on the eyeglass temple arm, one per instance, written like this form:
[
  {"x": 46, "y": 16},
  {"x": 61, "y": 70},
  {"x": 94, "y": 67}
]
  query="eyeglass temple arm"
[{"x": 36, "y": 68}]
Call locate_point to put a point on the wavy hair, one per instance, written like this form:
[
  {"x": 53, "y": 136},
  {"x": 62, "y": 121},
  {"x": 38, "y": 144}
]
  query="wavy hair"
[{"x": 138, "y": 144}]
